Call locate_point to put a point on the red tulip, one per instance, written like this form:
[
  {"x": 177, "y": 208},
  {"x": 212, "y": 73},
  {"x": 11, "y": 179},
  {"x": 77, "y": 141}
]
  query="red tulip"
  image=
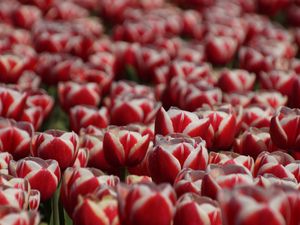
[
  {"x": 179, "y": 121},
  {"x": 59, "y": 145},
  {"x": 220, "y": 50},
  {"x": 83, "y": 116},
  {"x": 139, "y": 110},
  {"x": 277, "y": 157},
  {"x": 172, "y": 153},
  {"x": 223, "y": 126},
  {"x": 195, "y": 95},
  {"x": 94, "y": 145},
  {"x": 82, "y": 158},
  {"x": 90, "y": 210},
  {"x": 13, "y": 216},
  {"x": 146, "y": 204},
  {"x": 35, "y": 170},
  {"x": 193, "y": 209},
  {"x": 15, "y": 137},
  {"x": 284, "y": 128},
  {"x": 254, "y": 141},
  {"x": 281, "y": 81},
  {"x": 230, "y": 158},
  {"x": 123, "y": 146},
  {"x": 238, "y": 99},
  {"x": 11, "y": 68},
  {"x": 72, "y": 94},
  {"x": 257, "y": 116},
  {"x": 82, "y": 182},
  {"x": 25, "y": 16},
  {"x": 253, "y": 205},
  {"x": 269, "y": 98},
  {"x": 219, "y": 177},
  {"x": 236, "y": 80},
  {"x": 188, "y": 181},
  {"x": 66, "y": 11},
  {"x": 12, "y": 103}
]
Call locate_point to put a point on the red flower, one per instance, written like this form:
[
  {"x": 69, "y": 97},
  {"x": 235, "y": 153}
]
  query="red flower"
[
  {"x": 13, "y": 216},
  {"x": 284, "y": 128},
  {"x": 180, "y": 121},
  {"x": 146, "y": 204},
  {"x": 173, "y": 153},
  {"x": 54, "y": 144},
  {"x": 188, "y": 181},
  {"x": 37, "y": 170},
  {"x": 82, "y": 182},
  {"x": 83, "y": 116},
  {"x": 123, "y": 146},
  {"x": 223, "y": 126},
  {"x": 254, "y": 205},
  {"x": 193, "y": 209},
  {"x": 219, "y": 177},
  {"x": 15, "y": 137},
  {"x": 72, "y": 94},
  {"x": 220, "y": 49},
  {"x": 254, "y": 141},
  {"x": 236, "y": 80},
  {"x": 98, "y": 211}
]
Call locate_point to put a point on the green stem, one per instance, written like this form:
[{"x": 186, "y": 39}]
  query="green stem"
[
  {"x": 123, "y": 174},
  {"x": 55, "y": 209}
]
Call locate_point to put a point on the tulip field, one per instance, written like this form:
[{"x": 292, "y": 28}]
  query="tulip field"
[{"x": 149, "y": 112}]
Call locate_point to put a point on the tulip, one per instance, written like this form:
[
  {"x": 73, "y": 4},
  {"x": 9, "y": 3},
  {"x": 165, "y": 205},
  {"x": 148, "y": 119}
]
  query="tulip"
[
  {"x": 254, "y": 141},
  {"x": 254, "y": 205},
  {"x": 35, "y": 170},
  {"x": 81, "y": 182},
  {"x": 12, "y": 103},
  {"x": 96, "y": 211},
  {"x": 236, "y": 80},
  {"x": 180, "y": 121},
  {"x": 219, "y": 177},
  {"x": 193, "y": 209},
  {"x": 72, "y": 94},
  {"x": 188, "y": 181},
  {"x": 83, "y": 116},
  {"x": 284, "y": 128},
  {"x": 172, "y": 153},
  {"x": 15, "y": 137},
  {"x": 13, "y": 216},
  {"x": 123, "y": 146},
  {"x": 157, "y": 206},
  {"x": 54, "y": 144}
]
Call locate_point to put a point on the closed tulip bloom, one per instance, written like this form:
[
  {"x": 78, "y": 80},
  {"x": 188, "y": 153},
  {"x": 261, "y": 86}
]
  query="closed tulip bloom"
[
  {"x": 14, "y": 216},
  {"x": 179, "y": 121},
  {"x": 253, "y": 205},
  {"x": 83, "y": 116},
  {"x": 146, "y": 204},
  {"x": 236, "y": 80},
  {"x": 193, "y": 209},
  {"x": 284, "y": 128},
  {"x": 15, "y": 137},
  {"x": 35, "y": 170},
  {"x": 82, "y": 182},
  {"x": 172, "y": 153},
  {"x": 219, "y": 177},
  {"x": 55, "y": 144},
  {"x": 91, "y": 210},
  {"x": 72, "y": 94},
  {"x": 123, "y": 146}
]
